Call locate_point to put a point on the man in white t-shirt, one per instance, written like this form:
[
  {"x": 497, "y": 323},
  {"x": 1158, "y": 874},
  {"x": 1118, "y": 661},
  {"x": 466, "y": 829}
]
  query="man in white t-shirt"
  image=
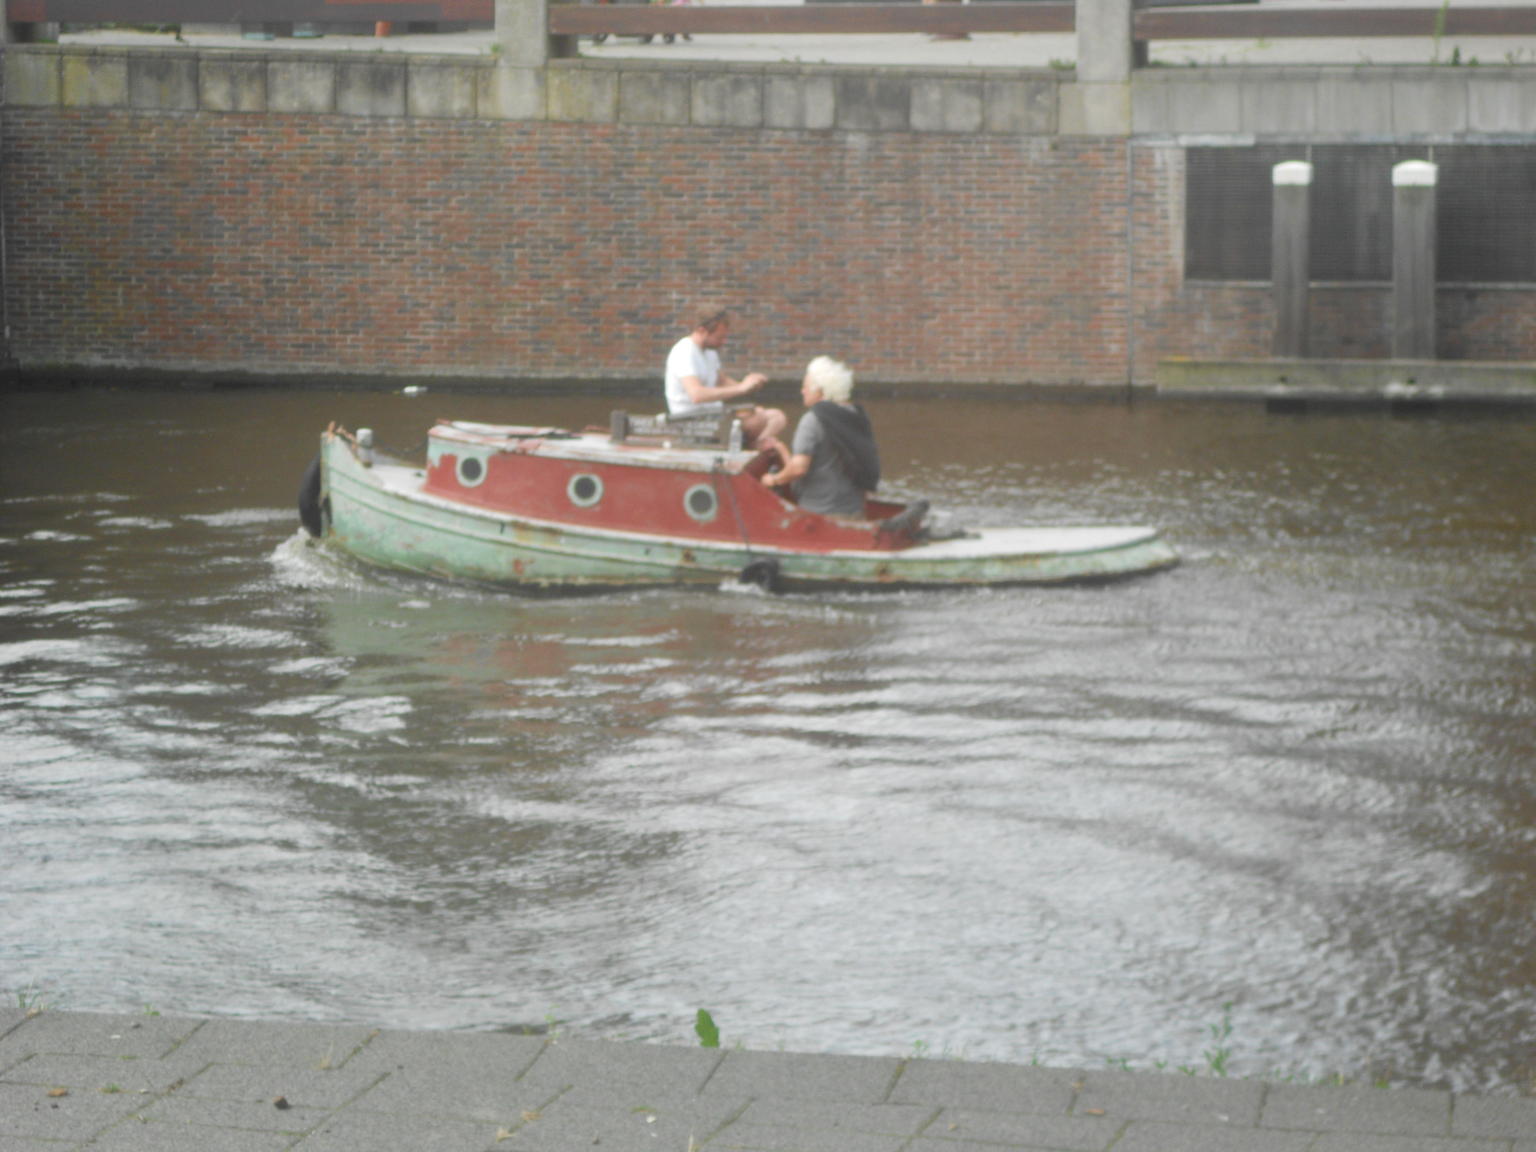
[{"x": 697, "y": 388}]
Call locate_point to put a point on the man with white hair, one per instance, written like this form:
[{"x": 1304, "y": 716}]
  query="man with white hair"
[{"x": 833, "y": 463}]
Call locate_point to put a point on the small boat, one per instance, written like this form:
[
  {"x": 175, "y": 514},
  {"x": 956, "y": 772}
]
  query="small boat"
[{"x": 647, "y": 503}]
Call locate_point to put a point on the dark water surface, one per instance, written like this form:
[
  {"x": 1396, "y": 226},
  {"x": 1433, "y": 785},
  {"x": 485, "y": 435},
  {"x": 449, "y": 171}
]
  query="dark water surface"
[{"x": 1296, "y": 774}]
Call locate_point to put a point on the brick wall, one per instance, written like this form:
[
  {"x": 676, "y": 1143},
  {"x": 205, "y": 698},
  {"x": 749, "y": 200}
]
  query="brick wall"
[
  {"x": 325, "y": 243},
  {"x": 322, "y": 244}
]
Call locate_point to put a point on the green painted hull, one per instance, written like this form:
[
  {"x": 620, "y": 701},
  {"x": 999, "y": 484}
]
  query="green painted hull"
[{"x": 380, "y": 515}]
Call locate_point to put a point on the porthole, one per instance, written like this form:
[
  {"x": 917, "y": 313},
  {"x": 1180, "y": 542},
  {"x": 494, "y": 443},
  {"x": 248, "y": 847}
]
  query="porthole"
[
  {"x": 701, "y": 503},
  {"x": 471, "y": 471},
  {"x": 585, "y": 490}
]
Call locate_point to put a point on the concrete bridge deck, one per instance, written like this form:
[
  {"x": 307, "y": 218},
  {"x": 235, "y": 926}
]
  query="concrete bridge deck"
[{"x": 124, "y": 1083}]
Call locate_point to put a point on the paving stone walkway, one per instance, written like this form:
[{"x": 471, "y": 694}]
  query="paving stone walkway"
[{"x": 108, "y": 1083}]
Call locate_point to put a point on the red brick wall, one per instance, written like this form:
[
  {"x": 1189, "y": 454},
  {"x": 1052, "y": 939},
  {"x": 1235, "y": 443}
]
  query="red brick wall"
[{"x": 299, "y": 244}]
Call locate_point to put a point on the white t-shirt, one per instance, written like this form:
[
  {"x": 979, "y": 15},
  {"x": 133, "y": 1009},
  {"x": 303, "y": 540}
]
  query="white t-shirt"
[{"x": 688, "y": 359}]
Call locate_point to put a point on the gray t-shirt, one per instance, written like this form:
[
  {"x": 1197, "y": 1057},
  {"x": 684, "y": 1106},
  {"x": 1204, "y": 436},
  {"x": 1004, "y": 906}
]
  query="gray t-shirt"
[{"x": 825, "y": 488}]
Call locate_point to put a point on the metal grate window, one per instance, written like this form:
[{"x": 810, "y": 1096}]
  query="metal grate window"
[{"x": 1485, "y": 211}]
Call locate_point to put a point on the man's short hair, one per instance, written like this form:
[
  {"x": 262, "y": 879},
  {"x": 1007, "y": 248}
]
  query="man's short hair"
[
  {"x": 709, "y": 313},
  {"x": 831, "y": 378}
]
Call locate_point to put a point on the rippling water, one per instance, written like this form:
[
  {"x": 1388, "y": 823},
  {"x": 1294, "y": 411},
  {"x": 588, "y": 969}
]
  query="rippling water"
[{"x": 1296, "y": 775}]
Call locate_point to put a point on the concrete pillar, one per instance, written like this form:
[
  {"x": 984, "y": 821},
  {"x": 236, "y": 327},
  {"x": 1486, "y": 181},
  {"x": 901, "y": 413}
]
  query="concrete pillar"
[
  {"x": 1099, "y": 102},
  {"x": 1104, "y": 48},
  {"x": 522, "y": 34},
  {"x": 1413, "y": 260},
  {"x": 1290, "y": 252}
]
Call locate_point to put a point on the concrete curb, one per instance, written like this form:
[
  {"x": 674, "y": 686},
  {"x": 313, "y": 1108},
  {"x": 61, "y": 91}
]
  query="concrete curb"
[{"x": 161, "y": 1084}]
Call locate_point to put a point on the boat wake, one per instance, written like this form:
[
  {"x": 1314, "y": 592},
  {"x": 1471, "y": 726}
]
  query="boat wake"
[{"x": 301, "y": 562}]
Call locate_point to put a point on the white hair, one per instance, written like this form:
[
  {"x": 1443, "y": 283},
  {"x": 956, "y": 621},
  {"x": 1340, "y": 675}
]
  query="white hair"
[{"x": 831, "y": 378}]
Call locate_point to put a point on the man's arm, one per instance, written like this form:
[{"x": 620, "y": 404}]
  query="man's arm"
[
  {"x": 728, "y": 389},
  {"x": 794, "y": 468}
]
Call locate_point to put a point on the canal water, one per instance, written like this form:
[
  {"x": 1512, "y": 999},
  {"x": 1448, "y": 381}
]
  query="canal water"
[{"x": 1279, "y": 802}]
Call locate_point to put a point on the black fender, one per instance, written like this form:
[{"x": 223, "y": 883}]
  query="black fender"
[
  {"x": 309, "y": 500},
  {"x": 763, "y": 572}
]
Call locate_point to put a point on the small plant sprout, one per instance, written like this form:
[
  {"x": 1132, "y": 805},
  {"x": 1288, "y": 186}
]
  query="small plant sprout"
[
  {"x": 1217, "y": 1056},
  {"x": 704, "y": 1028}
]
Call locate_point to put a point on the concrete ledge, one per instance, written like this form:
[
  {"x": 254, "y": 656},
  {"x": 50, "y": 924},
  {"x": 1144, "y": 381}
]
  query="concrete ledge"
[
  {"x": 436, "y": 90},
  {"x": 92, "y": 81},
  {"x": 301, "y": 86},
  {"x": 659, "y": 97},
  {"x": 376, "y": 88},
  {"x": 1419, "y": 102},
  {"x": 799, "y": 100},
  {"x": 1028, "y": 107},
  {"x": 1406, "y": 103},
  {"x": 232, "y": 85},
  {"x": 1096, "y": 110},
  {"x": 32, "y": 79},
  {"x": 1350, "y": 381},
  {"x": 943, "y": 105},
  {"x": 729, "y": 100},
  {"x": 164, "y": 83},
  {"x": 509, "y": 93},
  {"x": 873, "y": 102},
  {"x": 580, "y": 93}
]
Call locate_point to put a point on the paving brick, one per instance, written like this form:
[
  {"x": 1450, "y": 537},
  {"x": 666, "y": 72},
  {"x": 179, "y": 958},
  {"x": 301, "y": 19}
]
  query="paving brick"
[
  {"x": 314, "y": 1046},
  {"x": 782, "y": 1076},
  {"x": 1404, "y": 1111},
  {"x": 262, "y": 1116},
  {"x": 95, "y": 1034},
  {"x": 652, "y": 1069},
  {"x": 784, "y": 1138},
  {"x": 1494, "y": 1116},
  {"x": 299, "y": 1085},
  {"x": 563, "y": 1126},
  {"x": 1153, "y": 1136},
  {"x": 1365, "y": 1142},
  {"x": 460, "y": 1054},
  {"x": 432, "y": 1091},
  {"x": 142, "y": 1136},
  {"x": 1188, "y": 1099},
  {"x": 349, "y": 1131},
  {"x": 106, "y": 1074},
  {"x": 587, "y": 1122},
  {"x": 1013, "y": 1129},
  {"x": 472, "y": 1076},
  {"x": 886, "y": 1119},
  {"x": 28, "y": 1110},
  {"x": 994, "y": 1087}
]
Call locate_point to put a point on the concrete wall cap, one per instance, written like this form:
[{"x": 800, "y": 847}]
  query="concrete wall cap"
[
  {"x": 1414, "y": 174},
  {"x": 1293, "y": 172}
]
